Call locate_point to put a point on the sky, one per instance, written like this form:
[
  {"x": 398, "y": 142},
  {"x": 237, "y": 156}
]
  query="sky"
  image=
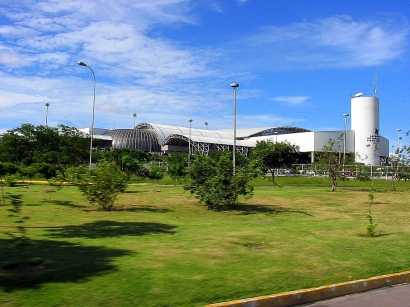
[{"x": 297, "y": 62}]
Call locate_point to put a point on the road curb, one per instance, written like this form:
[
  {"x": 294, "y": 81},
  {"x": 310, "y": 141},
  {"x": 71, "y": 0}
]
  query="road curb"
[{"x": 294, "y": 298}]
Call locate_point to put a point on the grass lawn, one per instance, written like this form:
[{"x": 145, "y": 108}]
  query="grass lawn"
[{"x": 160, "y": 247}]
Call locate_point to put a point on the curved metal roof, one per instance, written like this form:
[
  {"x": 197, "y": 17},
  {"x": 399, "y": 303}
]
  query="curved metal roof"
[
  {"x": 177, "y": 139},
  {"x": 164, "y": 131},
  {"x": 253, "y": 132},
  {"x": 175, "y": 135}
]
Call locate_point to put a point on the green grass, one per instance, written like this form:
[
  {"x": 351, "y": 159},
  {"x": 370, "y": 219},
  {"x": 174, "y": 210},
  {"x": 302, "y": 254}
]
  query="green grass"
[{"x": 161, "y": 248}]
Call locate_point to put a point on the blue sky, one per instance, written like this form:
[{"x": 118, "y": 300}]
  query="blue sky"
[{"x": 297, "y": 62}]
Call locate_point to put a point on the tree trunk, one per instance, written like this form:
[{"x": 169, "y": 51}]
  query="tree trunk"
[{"x": 334, "y": 184}]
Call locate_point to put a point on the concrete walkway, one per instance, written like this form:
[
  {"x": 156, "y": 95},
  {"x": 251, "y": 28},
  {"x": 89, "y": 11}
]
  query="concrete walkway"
[
  {"x": 394, "y": 296},
  {"x": 384, "y": 290}
]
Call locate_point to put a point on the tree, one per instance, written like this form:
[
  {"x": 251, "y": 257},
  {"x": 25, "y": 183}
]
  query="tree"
[
  {"x": 100, "y": 185},
  {"x": 131, "y": 161},
  {"x": 213, "y": 181},
  {"x": 129, "y": 165},
  {"x": 400, "y": 163},
  {"x": 7, "y": 169},
  {"x": 155, "y": 171},
  {"x": 270, "y": 156},
  {"x": 74, "y": 147},
  {"x": 176, "y": 166},
  {"x": 63, "y": 146},
  {"x": 29, "y": 171},
  {"x": 328, "y": 160}
]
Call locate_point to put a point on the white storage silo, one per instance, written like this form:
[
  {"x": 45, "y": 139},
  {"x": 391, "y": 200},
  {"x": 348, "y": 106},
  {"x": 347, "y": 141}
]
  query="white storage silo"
[{"x": 365, "y": 123}]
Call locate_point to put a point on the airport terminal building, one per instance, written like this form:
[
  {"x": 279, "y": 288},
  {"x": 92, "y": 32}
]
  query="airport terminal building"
[{"x": 363, "y": 140}]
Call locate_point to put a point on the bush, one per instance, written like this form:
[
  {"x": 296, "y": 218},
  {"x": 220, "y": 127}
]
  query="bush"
[
  {"x": 100, "y": 185},
  {"x": 155, "y": 171},
  {"x": 10, "y": 181},
  {"x": 214, "y": 183}
]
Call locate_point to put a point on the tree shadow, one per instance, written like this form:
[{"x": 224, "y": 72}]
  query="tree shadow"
[
  {"x": 375, "y": 236},
  {"x": 102, "y": 229},
  {"x": 255, "y": 209},
  {"x": 45, "y": 261},
  {"x": 134, "y": 192},
  {"x": 143, "y": 209},
  {"x": 65, "y": 203}
]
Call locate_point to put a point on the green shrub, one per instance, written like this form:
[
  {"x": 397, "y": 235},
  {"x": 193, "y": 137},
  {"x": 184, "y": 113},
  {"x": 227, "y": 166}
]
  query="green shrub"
[
  {"x": 10, "y": 181},
  {"x": 215, "y": 184},
  {"x": 155, "y": 171},
  {"x": 100, "y": 185}
]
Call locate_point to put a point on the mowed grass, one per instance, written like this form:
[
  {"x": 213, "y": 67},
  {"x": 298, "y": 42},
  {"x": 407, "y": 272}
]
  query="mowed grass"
[{"x": 160, "y": 247}]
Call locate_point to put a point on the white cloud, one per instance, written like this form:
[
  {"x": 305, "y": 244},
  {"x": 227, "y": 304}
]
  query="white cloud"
[
  {"x": 8, "y": 99},
  {"x": 139, "y": 69},
  {"x": 337, "y": 41},
  {"x": 12, "y": 59},
  {"x": 109, "y": 107},
  {"x": 292, "y": 100}
]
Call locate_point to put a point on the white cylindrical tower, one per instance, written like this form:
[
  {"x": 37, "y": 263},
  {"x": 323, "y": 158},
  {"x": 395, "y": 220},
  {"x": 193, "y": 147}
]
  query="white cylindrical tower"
[{"x": 365, "y": 123}]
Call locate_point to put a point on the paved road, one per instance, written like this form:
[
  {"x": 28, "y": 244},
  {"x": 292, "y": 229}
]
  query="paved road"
[{"x": 394, "y": 296}]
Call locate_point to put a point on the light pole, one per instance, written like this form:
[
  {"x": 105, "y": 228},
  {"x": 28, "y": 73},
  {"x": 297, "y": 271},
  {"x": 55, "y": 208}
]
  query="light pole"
[
  {"x": 398, "y": 147},
  {"x": 134, "y": 141},
  {"x": 92, "y": 122},
  {"x": 345, "y": 115},
  {"x": 339, "y": 140},
  {"x": 135, "y": 116},
  {"x": 398, "y": 140},
  {"x": 206, "y": 125},
  {"x": 189, "y": 143},
  {"x": 276, "y": 137},
  {"x": 47, "y": 105},
  {"x": 234, "y": 86}
]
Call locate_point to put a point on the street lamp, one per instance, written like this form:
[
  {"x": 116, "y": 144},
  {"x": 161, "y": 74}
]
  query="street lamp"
[
  {"x": 206, "y": 125},
  {"x": 189, "y": 143},
  {"x": 339, "y": 140},
  {"x": 234, "y": 86},
  {"x": 135, "y": 116},
  {"x": 134, "y": 140},
  {"x": 345, "y": 115},
  {"x": 398, "y": 140},
  {"x": 47, "y": 105},
  {"x": 92, "y": 123},
  {"x": 398, "y": 147}
]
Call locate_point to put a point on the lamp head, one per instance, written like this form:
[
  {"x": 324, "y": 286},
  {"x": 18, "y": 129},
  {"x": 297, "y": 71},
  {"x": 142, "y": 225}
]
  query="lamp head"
[
  {"x": 81, "y": 63},
  {"x": 234, "y": 85},
  {"x": 346, "y": 114}
]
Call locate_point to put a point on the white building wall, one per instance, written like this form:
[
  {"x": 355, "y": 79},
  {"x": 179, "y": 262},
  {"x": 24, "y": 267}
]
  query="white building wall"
[
  {"x": 365, "y": 123},
  {"x": 305, "y": 140},
  {"x": 322, "y": 139},
  {"x": 314, "y": 141}
]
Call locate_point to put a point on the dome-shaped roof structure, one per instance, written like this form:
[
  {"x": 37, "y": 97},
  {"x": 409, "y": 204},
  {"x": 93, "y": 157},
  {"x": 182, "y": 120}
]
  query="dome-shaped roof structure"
[{"x": 152, "y": 137}]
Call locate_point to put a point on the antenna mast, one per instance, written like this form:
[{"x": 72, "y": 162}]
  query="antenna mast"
[{"x": 375, "y": 84}]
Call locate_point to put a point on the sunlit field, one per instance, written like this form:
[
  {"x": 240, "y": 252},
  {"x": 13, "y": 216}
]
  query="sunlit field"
[{"x": 160, "y": 247}]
